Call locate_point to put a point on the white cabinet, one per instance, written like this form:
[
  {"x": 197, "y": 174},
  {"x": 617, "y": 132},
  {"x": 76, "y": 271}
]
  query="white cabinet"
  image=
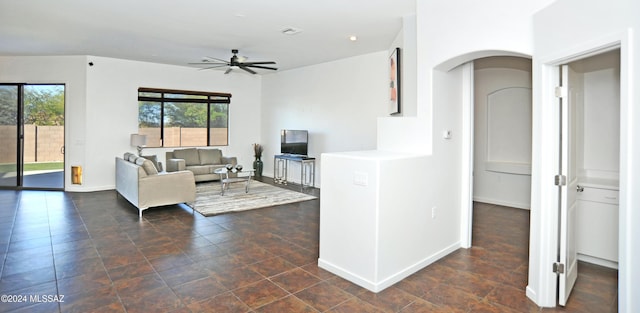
[
  {"x": 597, "y": 229},
  {"x": 596, "y": 90}
]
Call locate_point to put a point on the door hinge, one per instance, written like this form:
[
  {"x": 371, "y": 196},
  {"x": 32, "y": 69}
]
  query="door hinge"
[
  {"x": 558, "y": 268},
  {"x": 561, "y": 91},
  {"x": 560, "y": 180}
]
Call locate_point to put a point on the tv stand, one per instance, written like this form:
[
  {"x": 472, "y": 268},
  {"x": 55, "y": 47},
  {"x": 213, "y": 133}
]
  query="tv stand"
[{"x": 307, "y": 169}]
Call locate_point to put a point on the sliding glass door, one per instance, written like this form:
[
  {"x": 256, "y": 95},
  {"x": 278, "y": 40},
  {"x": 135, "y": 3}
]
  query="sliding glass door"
[
  {"x": 32, "y": 136},
  {"x": 9, "y": 129}
]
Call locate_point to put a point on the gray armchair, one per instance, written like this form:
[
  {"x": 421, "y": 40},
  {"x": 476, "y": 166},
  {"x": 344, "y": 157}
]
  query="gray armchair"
[{"x": 138, "y": 181}]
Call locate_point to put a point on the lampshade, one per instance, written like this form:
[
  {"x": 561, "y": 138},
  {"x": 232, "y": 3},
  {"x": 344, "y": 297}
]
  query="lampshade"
[{"x": 138, "y": 140}]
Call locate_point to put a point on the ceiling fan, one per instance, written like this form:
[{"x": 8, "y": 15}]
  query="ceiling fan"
[{"x": 235, "y": 62}]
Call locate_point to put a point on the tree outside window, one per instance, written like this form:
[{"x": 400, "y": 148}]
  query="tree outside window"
[{"x": 175, "y": 118}]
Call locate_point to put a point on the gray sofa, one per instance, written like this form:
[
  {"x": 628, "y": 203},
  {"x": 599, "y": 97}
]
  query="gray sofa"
[
  {"x": 201, "y": 162},
  {"x": 138, "y": 181}
]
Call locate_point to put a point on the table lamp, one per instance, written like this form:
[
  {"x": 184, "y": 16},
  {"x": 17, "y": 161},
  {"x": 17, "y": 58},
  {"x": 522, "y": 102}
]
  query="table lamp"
[{"x": 138, "y": 141}]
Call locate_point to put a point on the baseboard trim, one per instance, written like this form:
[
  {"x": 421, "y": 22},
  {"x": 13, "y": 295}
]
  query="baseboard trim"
[
  {"x": 531, "y": 294},
  {"x": 356, "y": 279},
  {"x": 597, "y": 261},
  {"x": 525, "y": 206},
  {"x": 89, "y": 189},
  {"x": 377, "y": 286}
]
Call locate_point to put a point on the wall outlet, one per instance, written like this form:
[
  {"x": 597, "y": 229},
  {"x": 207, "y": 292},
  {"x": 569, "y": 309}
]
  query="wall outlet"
[
  {"x": 360, "y": 179},
  {"x": 433, "y": 213}
]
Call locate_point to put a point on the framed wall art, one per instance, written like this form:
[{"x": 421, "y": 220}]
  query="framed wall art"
[{"x": 394, "y": 82}]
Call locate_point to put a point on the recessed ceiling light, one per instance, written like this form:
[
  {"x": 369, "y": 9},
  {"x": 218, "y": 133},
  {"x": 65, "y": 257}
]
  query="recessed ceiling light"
[
  {"x": 291, "y": 31},
  {"x": 353, "y": 37}
]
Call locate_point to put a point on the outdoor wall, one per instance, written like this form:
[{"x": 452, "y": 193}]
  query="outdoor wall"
[
  {"x": 8, "y": 143},
  {"x": 184, "y": 136},
  {"x": 43, "y": 143}
]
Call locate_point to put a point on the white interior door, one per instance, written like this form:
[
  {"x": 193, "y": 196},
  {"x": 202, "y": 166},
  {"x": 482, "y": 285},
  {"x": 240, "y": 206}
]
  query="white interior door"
[{"x": 568, "y": 257}]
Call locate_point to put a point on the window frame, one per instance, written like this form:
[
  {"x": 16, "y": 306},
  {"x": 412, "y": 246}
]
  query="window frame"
[{"x": 211, "y": 98}]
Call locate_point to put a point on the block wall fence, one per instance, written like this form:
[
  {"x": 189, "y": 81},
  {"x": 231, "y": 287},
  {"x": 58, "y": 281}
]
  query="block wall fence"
[
  {"x": 46, "y": 143},
  {"x": 41, "y": 143}
]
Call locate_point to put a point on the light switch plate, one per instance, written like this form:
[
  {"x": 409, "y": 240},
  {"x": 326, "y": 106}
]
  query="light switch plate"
[{"x": 360, "y": 179}]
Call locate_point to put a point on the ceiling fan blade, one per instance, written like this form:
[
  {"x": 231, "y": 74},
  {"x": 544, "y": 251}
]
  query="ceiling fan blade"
[
  {"x": 264, "y": 67},
  {"x": 204, "y": 63},
  {"x": 247, "y": 69},
  {"x": 210, "y": 64},
  {"x": 252, "y": 63},
  {"x": 219, "y": 60},
  {"x": 212, "y": 67},
  {"x": 228, "y": 70}
]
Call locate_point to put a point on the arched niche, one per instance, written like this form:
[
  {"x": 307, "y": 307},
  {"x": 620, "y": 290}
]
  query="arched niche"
[{"x": 470, "y": 56}]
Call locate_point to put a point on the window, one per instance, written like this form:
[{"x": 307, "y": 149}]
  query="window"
[{"x": 180, "y": 118}]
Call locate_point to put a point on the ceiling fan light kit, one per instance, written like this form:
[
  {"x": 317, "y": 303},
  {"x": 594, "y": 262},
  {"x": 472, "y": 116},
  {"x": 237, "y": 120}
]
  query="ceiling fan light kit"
[{"x": 235, "y": 63}]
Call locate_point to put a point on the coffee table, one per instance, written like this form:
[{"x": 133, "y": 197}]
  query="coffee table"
[{"x": 225, "y": 180}]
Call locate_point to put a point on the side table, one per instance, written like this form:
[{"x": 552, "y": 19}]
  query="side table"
[{"x": 307, "y": 169}]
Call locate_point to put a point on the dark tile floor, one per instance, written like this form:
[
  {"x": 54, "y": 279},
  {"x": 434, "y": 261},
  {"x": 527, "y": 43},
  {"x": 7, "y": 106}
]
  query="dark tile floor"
[{"x": 92, "y": 249}]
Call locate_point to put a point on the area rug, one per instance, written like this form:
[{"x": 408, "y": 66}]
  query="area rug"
[{"x": 209, "y": 201}]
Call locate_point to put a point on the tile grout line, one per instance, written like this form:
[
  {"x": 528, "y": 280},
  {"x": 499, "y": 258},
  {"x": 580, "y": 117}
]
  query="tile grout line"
[
  {"x": 93, "y": 244},
  {"x": 53, "y": 257},
  {"x": 13, "y": 224}
]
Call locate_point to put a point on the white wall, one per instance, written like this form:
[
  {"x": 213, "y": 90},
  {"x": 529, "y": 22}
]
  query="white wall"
[
  {"x": 337, "y": 102},
  {"x": 69, "y": 70},
  {"x": 406, "y": 41},
  {"x": 410, "y": 133},
  {"x": 560, "y": 36},
  {"x": 102, "y": 106},
  {"x": 445, "y": 178},
  {"x": 375, "y": 231},
  {"x": 599, "y": 136},
  {"x": 500, "y": 186},
  {"x": 444, "y": 42}
]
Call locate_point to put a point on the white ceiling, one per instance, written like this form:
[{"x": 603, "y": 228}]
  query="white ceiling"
[{"x": 178, "y": 32}]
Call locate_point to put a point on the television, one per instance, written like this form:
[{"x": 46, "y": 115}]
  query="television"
[{"x": 294, "y": 142}]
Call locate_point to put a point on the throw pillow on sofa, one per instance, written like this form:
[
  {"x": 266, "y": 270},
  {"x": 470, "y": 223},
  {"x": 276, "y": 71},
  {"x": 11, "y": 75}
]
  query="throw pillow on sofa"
[
  {"x": 190, "y": 156},
  {"x": 210, "y": 156},
  {"x": 147, "y": 165},
  {"x": 132, "y": 158},
  {"x": 154, "y": 160}
]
